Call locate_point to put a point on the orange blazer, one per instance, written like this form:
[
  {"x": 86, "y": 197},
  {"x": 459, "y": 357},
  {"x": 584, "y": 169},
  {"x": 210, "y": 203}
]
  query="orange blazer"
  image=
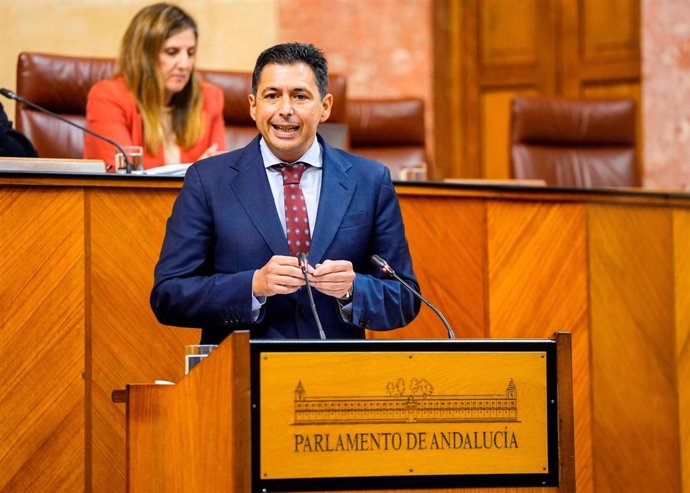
[{"x": 112, "y": 112}]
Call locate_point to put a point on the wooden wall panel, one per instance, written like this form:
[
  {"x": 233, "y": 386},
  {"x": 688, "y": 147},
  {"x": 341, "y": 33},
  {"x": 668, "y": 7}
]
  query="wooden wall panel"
[
  {"x": 127, "y": 228},
  {"x": 537, "y": 262},
  {"x": 610, "y": 30},
  {"x": 601, "y": 44},
  {"x": 488, "y": 50},
  {"x": 449, "y": 80},
  {"x": 448, "y": 252},
  {"x": 514, "y": 54},
  {"x": 41, "y": 339},
  {"x": 497, "y": 17},
  {"x": 495, "y": 132},
  {"x": 499, "y": 261},
  {"x": 633, "y": 334},
  {"x": 681, "y": 254},
  {"x": 537, "y": 269}
]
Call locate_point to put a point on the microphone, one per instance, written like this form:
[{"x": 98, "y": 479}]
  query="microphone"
[
  {"x": 386, "y": 269},
  {"x": 10, "y": 95},
  {"x": 302, "y": 260}
]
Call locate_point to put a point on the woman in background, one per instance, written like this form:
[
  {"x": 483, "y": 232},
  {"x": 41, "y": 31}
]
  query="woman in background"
[{"x": 156, "y": 99}]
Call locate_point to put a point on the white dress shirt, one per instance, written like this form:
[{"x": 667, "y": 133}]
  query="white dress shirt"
[
  {"x": 311, "y": 189},
  {"x": 310, "y": 183}
]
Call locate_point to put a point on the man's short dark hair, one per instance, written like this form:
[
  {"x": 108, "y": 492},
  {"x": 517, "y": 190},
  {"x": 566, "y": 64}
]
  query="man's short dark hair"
[{"x": 289, "y": 54}]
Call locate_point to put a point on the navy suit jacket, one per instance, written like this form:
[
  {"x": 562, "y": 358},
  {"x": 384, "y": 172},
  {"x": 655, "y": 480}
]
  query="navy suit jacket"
[{"x": 224, "y": 226}]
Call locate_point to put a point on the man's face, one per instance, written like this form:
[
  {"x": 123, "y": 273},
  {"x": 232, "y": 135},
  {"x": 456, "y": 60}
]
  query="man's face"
[{"x": 287, "y": 109}]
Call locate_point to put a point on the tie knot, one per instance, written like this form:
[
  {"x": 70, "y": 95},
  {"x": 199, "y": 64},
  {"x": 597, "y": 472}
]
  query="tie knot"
[{"x": 292, "y": 173}]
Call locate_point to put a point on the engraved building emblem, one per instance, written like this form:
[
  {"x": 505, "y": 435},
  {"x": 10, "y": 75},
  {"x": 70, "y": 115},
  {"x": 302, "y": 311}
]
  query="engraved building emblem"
[{"x": 406, "y": 403}]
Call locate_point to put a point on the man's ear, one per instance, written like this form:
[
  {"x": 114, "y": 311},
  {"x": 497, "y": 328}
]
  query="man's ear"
[
  {"x": 252, "y": 107},
  {"x": 327, "y": 104}
]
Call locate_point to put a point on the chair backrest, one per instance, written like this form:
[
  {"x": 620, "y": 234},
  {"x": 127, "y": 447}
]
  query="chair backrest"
[
  {"x": 391, "y": 131},
  {"x": 61, "y": 84},
  {"x": 581, "y": 143}
]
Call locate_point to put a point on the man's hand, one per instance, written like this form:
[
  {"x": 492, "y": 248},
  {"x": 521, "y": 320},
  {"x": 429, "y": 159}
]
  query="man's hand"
[
  {"x": 280, "y": 275},
  {"x": 333, "y": 277}
]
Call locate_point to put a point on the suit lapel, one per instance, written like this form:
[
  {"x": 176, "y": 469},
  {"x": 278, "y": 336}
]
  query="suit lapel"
[
  {"x": 337, "y": 190},
  {"x": 254, "y": 193}
]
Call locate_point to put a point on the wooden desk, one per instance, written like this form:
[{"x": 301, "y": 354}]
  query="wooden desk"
[{"x": 501, "y": 261}]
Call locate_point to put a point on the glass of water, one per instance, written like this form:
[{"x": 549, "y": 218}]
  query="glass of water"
[
  {"x": 194, "y": 353},
  {"x": 135, "y": 154}
]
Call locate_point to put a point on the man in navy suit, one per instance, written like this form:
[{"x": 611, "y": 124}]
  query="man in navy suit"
[{"x": 225, "y": 263}]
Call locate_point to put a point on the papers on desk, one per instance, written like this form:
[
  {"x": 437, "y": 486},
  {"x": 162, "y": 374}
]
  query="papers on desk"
[
  {"x": 167, "y": 170},
  {"x": 52, "y": 165},
  {"x": 490, "y": 182}
]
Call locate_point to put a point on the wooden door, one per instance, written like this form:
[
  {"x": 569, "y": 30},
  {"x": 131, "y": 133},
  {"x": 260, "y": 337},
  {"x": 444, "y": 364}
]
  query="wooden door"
[{"x": 488, "y": 51}]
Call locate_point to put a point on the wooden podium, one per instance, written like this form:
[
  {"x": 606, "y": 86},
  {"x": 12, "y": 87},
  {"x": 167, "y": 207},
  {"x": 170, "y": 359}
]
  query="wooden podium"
[{"x": 221, "y": 427}]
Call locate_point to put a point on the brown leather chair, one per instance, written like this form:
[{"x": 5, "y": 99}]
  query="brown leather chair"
[
  {"x": 574, "y": 142},
  {"x": 391, "y": 131},
  {"x": 61, "y": 84}
]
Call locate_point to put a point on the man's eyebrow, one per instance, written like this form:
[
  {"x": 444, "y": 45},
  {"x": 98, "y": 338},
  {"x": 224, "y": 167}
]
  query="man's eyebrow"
[{"x": 304, "y": 89}]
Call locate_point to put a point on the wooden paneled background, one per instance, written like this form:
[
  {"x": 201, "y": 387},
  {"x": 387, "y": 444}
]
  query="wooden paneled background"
[
  {"x": 488, "y": 51},
  {"x": 42, "y": 320},
  {"x": 501, "y": 262}
]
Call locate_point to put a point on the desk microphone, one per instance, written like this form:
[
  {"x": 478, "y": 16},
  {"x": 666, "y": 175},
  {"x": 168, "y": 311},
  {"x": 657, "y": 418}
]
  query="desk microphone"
[
  {"x": 386, "y": 269},
  {"x": 10, "y": 95},
  {"x": 302, "y": 259}
]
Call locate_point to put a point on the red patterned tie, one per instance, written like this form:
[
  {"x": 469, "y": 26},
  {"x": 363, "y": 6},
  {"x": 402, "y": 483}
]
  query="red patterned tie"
[{"x": 296, "y": 219}]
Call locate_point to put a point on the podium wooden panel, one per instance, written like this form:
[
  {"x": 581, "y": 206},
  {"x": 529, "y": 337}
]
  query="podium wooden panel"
[
  {"x": 195, "y": 436},
  {"x": 500, "y": 261}
]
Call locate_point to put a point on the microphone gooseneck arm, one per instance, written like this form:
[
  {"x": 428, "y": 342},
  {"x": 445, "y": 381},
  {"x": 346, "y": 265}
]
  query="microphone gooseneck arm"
[
  {"x": 388, "y": 270},
  {"x": 11, "y": 95},
  {"x": 302, "y": 259}
]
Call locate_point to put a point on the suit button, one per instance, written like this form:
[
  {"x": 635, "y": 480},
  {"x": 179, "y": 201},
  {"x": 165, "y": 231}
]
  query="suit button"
[{"x": 300, "y": 311}]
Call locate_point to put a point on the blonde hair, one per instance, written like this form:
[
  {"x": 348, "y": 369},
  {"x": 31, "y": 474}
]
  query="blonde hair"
[{"x": 138, "y": 65}]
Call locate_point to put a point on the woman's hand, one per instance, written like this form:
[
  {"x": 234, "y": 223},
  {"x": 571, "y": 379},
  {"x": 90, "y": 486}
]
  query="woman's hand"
[{"x": 211, "y": 151}]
